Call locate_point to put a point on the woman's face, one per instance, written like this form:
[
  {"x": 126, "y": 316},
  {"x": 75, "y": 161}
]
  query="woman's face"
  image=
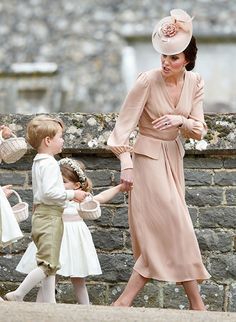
[{"x": 173, "y": 65}]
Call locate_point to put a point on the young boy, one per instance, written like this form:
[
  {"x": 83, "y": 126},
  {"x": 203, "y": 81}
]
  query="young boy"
[{"x": 45, "y": 135}]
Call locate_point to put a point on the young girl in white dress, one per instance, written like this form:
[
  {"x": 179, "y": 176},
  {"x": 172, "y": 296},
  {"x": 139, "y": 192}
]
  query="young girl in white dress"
[
  {"x": 9, "y": 228},
  {"x": 78, "y": 257}
]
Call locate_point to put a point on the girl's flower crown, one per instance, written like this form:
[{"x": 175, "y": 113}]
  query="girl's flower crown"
[{"x": 76, "y": 167}]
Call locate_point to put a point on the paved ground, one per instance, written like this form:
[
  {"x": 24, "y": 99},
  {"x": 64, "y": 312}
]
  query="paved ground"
[{"x": 34, "y": 312}]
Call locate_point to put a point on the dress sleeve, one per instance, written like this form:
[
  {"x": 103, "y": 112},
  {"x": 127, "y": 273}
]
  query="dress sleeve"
[
  {"x": 127, "y": 121},
  {"x": 194, "y": 126}
]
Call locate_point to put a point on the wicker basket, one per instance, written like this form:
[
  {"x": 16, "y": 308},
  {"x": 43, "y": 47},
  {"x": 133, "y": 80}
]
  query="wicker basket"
[
  {"x": 21, "y": 209},
  {"x": 90, "y": 209},
  {"x": 12, "y": 149}
]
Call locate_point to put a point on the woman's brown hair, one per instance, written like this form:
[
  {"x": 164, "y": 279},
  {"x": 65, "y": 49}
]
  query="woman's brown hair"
[{"x": 190, "y": 54}]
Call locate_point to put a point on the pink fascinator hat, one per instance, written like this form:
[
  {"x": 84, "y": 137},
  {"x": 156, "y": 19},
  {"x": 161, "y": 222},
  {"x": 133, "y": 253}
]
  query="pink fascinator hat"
[{"x": 173, "y": 33}]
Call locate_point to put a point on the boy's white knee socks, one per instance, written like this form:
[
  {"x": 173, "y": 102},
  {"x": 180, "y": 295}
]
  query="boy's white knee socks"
[
  {"x": 46, "y": 292},
  {"x": 31, "y": 280},
  {"x": 48, "y": 289}
]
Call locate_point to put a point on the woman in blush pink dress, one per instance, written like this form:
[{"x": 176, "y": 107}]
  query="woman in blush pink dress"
[{"x": 165, "y": 103}]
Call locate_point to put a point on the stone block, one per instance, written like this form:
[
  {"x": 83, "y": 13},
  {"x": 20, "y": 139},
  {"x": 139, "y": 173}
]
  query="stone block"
[
  {"x": 8, "y": 287},
  {"x": 128, "y": 243},
  {"x": 213, "y": 217},
  {"x": 8, "y": 264},
  {"x": 148, "y": 297},
  {"x": 215, "y": 240},
  {"x": 106, "y": 216},
  {"x": 116, "y": 267},
  {"x": 18, "y": 247},
  {"x": 231, "y": 296},
  {"x": 225, "y": 178},
  {"x": 174, "y": 297},
  {"x": 65, "y": 292},
  {"x": 213, "y": 296},
  {"x": 99, "y": 162},
  {"x": 108, "y": 239},
  {"x": 100, "y": 178},
  {"x": 14, "y": 178},
  {"x": 198, "y": 177},
  {"x": 24, "y": 164},
  {"x": 230, "y": 194},
  {"x": 26, "y": 224},
  {"x": 120, "y": 218},
  {"x": 230, "y": 163},
  {"x": 194, "y": 216},
  {"x": 202, "y": 163},
  {"x": 204, "y": 196},
  {"x": 222, "y": 267}
]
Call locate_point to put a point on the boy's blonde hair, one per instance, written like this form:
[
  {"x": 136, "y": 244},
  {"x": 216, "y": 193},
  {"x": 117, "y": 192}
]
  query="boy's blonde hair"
[{"x": 40, "y": 127}]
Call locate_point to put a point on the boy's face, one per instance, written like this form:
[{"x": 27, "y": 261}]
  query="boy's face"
[{"x": 56, "y": 143}]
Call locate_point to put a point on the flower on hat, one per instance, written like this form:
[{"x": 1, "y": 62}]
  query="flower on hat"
[{"x": 169, "y": 29}]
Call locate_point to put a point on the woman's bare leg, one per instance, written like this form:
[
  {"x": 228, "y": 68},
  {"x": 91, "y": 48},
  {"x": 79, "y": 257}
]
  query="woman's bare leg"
[
  {"x": 193, "y": 294},
  {"x": 133, "y": 287}
]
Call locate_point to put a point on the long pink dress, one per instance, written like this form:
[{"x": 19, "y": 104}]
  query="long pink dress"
[{"x": 163, "y": 239}]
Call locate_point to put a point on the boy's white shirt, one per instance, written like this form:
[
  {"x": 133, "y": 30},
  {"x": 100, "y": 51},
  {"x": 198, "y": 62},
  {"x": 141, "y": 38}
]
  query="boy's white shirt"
[{"x": 47, "y": 182}]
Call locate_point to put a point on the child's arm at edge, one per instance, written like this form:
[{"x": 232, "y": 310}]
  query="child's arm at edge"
[{"x": 108, "y": 194}]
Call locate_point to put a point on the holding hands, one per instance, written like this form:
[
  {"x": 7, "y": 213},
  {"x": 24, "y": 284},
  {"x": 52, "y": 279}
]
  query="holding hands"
[
  {"x": 126, "y": 179},
  {"x": 167, "y": 121},
  {"x": 80, "y": 195}
]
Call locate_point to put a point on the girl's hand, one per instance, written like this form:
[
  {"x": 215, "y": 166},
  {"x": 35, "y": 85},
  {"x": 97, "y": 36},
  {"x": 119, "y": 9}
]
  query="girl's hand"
[
  {"x": 122, "y": 187},
  {"x": 6, "y": 132},
  {"x": 167, "y": 121},
  {"x": 126, "y": 178},
  {"x": 80, "y": 195},
  {"x": 7, "y": 190}
]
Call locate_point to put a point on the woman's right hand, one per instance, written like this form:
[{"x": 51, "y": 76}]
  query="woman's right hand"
[{"x": 126, "y": 178}]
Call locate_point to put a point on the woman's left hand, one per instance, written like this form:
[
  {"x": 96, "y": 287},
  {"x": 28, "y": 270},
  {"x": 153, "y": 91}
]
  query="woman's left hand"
[{"x": 167, "y": 121}]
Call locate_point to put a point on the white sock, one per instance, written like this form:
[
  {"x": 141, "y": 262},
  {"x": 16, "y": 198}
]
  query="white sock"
[
  {"x": 80, "y": 289},
  {"x": 31, "y": 280},
  {"x": 48, "y": 289}
]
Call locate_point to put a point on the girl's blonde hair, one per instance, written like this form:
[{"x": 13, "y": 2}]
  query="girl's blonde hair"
[
  {"x": 40, "y": 127},
  {"x": 74, "y": 171}
]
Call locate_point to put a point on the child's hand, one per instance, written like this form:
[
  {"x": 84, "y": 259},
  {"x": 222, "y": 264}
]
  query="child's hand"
[
  {"x": 6, "y": 132},
  {"x": 80, "y": 195},
  {"x": 122, "y": 187},
  {"x": 7, "y": 190}
]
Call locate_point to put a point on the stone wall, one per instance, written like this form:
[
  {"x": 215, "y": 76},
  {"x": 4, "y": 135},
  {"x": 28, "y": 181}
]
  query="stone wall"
[
  {"x": 210, "y": 194},
  {"x": 85, "y": 40}
]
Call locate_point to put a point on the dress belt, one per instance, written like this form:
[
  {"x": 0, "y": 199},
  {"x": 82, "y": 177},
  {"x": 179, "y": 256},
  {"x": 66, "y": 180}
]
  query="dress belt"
[{"x": 71, "y": 218}]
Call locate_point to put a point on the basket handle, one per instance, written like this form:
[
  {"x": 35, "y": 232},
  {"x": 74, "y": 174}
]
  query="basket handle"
[
  {"x": 88, "y": 197},
  {"x": 17, "y": 194},
  {"x": 2, "y": 139}
]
